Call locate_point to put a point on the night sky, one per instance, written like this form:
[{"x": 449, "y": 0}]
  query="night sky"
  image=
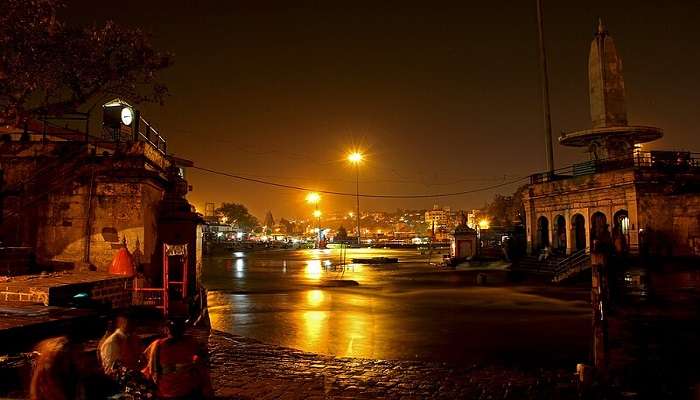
[{"x": 442, "y": 96}]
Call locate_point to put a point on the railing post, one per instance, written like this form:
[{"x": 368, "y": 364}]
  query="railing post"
[{"x": 135, "y": 126}]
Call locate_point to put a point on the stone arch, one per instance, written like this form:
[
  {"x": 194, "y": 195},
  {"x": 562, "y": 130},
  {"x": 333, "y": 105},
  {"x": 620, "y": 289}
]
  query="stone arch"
[
  {"x": 578, "y": 232},
  {"x": 559, "y": 233},
  {"x": 620, "y": 231},
  {"x": 542, "y": 232},
  {"x": 599, "y": 223}
]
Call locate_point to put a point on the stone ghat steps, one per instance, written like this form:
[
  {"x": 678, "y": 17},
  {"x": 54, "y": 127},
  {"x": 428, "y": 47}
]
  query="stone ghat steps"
[{"x": 533, "y": 265}]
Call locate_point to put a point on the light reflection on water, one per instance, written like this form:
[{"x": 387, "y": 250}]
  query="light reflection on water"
[
  {"x": 280, "y": 298},
  {"x": 313, "y": 269}
]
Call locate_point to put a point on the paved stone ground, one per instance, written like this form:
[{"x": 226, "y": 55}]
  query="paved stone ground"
[{"x": 246, "y": 369}]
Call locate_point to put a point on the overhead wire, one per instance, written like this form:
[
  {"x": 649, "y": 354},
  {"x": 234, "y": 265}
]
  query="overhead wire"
[{"x": 364, "y": 195}]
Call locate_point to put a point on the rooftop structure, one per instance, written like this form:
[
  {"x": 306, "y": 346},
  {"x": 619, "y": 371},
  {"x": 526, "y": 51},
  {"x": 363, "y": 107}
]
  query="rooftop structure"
[{"x": 610, "y": 135}]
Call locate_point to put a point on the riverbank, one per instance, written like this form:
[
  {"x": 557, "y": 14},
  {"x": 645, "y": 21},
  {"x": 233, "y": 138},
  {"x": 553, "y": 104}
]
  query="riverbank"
[{"x": 243, "y": 368}]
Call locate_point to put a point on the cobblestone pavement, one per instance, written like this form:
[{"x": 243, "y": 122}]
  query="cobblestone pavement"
[{"x": 246, "y": 369}]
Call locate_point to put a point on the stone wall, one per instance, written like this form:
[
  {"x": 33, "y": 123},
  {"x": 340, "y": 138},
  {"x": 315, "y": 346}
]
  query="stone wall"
[
  {"x": 117, "y": 211},
  {"x": 110, "y": 290},
  {"x": 75, "y": 208},
  {"x": 670, "y": 224}
]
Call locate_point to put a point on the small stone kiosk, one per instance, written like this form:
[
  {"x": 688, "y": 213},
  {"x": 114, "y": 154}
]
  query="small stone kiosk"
[{"x": 465, "y": 242}]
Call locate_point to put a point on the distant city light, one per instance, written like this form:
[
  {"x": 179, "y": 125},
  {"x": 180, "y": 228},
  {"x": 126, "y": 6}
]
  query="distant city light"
[{"x": 484, "y": 224}]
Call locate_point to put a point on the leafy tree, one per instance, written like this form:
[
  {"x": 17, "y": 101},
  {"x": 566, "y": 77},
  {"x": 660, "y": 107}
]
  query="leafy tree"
[
  {"x": 48, "y": 67},
  {"x": 506, "y": 210},
  {"x": 238, "y": 214},
  {"x": 497, "y": 210},
  {"x": 423, "y": 228},
  {"x": 342, "y": 234}
]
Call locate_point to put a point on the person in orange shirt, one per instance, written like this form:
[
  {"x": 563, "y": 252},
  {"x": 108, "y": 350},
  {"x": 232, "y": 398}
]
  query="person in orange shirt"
[{"x": 177, "y": 366}]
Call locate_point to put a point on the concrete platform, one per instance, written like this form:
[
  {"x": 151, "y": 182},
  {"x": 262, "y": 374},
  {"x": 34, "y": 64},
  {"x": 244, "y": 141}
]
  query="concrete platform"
[
  {"x": 67, "y": 288},
  {"x": 23, "y": 325}
]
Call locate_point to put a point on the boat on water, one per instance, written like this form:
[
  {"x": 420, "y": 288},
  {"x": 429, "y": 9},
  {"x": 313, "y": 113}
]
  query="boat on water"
[{"x": 375, "y": 260}]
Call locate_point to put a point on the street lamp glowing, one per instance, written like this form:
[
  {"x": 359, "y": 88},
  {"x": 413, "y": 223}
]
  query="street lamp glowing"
[
  {"x": 313, "y": 198},
  {"x": 355, "y": 157},
  {"x": 317, "y": 213},
  {"x": 484, "y": 224}
]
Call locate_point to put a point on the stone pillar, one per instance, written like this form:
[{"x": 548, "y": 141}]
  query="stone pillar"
[
  {"x": 587, "y": 225},
  {"x": 550, "y": 230},
  {"x": 529, "y": 222},
  {"x": 569, "y": 233},
  {"x": 633, "y": 239}
]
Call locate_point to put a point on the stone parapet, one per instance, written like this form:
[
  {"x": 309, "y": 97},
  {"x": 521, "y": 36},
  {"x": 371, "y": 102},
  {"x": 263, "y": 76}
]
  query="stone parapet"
[{"x": 60, "y": 289}]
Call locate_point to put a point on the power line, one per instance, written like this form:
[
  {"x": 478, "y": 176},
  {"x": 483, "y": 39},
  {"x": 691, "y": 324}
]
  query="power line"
[{"x": 379, "y": 196}]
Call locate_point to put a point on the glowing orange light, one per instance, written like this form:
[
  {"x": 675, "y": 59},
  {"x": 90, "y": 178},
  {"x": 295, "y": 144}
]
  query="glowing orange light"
[
  {"x": 313, "y": 198},
  {"x": 355, "y": 157}
]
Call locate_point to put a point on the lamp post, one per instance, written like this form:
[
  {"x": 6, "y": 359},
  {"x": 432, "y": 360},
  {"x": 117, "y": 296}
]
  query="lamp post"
[
  {"x": 314, "y": 198},
  {"x": 317, "y": 214},
  {"x": 356, "y": 158}
]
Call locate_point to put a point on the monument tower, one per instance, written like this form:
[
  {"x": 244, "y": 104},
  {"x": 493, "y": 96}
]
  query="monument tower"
[{"x": 610, "y": 137}]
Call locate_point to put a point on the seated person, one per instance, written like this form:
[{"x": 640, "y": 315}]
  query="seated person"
[
  {"x": 121, "y": 349},
  {"x": 177, "y": 366}
]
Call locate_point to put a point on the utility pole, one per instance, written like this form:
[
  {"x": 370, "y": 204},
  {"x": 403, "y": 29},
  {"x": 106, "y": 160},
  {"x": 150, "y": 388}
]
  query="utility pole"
[
  {"x": 544, "y": 81},
  {"x": 357, "y": 187}
]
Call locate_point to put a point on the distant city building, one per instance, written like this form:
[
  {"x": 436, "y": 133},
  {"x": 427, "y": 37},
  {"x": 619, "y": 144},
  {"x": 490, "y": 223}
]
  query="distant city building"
[{"x": 438, "y": 217}]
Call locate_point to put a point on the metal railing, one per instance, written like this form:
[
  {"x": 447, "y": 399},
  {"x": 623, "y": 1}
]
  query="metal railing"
[
  {"x": 665, "y": 161},
  {"x": 76, "y": 127},
  {"x": 575, "y": 263},
  {"x": 146, "y": 132}
]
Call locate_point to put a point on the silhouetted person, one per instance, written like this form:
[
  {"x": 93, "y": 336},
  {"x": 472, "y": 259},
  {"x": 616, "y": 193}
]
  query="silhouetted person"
[{"x": 177, "y": 365}]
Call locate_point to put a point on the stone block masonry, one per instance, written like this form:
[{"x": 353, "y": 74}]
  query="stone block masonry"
[{"x": 59, "y": 289}]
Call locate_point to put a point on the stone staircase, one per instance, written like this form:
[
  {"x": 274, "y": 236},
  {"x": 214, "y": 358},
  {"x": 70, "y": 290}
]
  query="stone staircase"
[
  {"x": 532, "y": 265},
  {"x": 572, "y": 266},
  {"x": 557, "y": 267}
]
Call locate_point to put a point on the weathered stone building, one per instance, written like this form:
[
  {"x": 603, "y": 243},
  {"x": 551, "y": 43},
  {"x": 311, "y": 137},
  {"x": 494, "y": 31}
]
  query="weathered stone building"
[
  {"x": 650, "y": 200},
  {"x": 74, "y": 198}
]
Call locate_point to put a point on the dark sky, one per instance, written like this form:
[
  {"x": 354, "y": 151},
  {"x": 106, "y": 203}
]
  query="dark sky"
[{"x": 443, "y": 96}]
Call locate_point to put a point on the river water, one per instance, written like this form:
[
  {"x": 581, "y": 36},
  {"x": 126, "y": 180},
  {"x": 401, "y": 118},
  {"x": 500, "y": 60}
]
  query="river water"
[{"x": 409, "y": 310}]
